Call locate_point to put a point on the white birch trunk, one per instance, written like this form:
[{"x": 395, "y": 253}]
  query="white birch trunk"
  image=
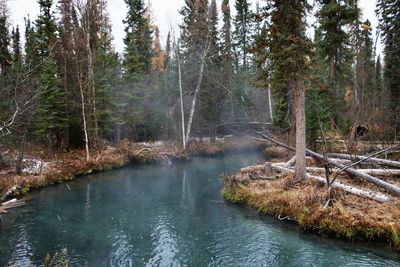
[
  {"x": 84, "y": 118},
  {"x": 196, "y": 92},
  {"x": 271, "y": 116},
  {"x": 181, "y": 100}
]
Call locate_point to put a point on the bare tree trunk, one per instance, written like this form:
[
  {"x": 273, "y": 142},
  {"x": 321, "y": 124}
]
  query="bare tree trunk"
[
  {"x": 84, "y": 116},
  {"x": 3, "y": 162},
  {"x": 353, "y": 133},
  {"x": 299, "y": 109},
  {"x": 91, "y": 82},
  {"x": 181, "y": 100},
  {"x": 385, "y": 162},
  {"x": 270, "y": 103},
  {"x": 196, "y": 92},
  {"x": 379, "y": 197},
  {"x": 21, "y": 152}
]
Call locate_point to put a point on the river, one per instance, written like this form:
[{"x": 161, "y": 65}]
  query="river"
[{"x": 153, "y": 215}]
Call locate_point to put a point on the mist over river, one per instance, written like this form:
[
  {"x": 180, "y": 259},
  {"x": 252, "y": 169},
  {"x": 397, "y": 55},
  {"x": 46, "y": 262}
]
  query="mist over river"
[{"x": 154, "y": 215}]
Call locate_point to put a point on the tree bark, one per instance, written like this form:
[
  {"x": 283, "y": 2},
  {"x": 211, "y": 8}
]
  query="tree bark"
[
  {"x": 271, "y": 115},
  {"x": 3, "y": 162},
  {"x": 385, "y": 162},
  {"x": 91, "y": 82},
  {"x": 379, "y": 172},
  {"x": 181, "y": 100},
  {"x": 21, "y": 152},
  {"x": 350, "y": 189},
  {"x": 196, "y": 92},
  {"x": 389, "y": 187},
  {"x": 299, "y": 109},
  {"x": 84, "y": 115}
]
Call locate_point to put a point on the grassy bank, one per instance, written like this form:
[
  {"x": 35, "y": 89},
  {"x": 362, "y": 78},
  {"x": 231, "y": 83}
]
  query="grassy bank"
[
  {"x": 349, "y": 217},
  {"x": 42, "y": 168}
]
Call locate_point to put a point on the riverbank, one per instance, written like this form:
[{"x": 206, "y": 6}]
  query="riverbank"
[
  {"x": 348, "y": 217},
  {"x": 41, "y": 169}
]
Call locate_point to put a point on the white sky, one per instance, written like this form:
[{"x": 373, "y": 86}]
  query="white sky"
[{"x": 165, "y": 14}]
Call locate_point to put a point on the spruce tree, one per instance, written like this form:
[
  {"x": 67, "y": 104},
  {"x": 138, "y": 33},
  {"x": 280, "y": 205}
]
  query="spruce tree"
[
  {"x": 16, "y": 47},
  {"x": 138, "y": 40},
  {"x": 5, "y": 55},
  {"x": 333, "y": 18},
  {"x": 212, "y": 94},
  {"x": 389, "y": 13},
  {"x": 288, "y": 53},
  {"x": 242, "y": 32},
  {"x": 51, "y": 117},
  {"x": 168, "y": 51}
]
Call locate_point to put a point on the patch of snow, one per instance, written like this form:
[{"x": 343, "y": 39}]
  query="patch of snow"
[{"x": 33, "y": 166}]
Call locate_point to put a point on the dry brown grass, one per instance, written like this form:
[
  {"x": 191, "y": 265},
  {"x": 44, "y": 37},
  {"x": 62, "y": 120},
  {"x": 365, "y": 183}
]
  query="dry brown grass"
[
  {"x": 349, "y": 217},
  {"x": 64, "y": 166}
]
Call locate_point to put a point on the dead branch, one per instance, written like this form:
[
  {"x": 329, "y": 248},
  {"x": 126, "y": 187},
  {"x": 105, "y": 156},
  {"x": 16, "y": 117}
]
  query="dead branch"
[
  {"x": 370, "y": 159},
  {"x": 379, "y": 197},
  {"x": 395, "y": 190}
]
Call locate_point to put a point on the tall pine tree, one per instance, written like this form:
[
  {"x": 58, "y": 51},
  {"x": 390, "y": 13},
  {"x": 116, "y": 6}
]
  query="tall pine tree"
[
  {"x": 389, "y": 13},
  {"x": 334, "y": 42},
  {"x": 51, "y": 117},
  {"x": 138, "y": 40}
]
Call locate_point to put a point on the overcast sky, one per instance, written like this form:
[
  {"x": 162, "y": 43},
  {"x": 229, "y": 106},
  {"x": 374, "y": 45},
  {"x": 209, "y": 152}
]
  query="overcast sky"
[{"x": 165, "y": 13}]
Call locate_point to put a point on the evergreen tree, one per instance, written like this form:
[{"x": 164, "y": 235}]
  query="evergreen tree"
[
  {"x": 242, "y": 32},
  {"x": 213, "y": 94},
  {"x": 5, "y": 55},
  {"x": 289, "y": 51},
  {"x": 51, "y": 117},
  {"x": 16, "y": 47},
  {"x": 138, "y": 40},
  {"x": 226, "y": 42},
  {"x": 168, "y": 50},
  {"x": 365, "y": 73},
  {"x": 106, "y": 75},
  {"x": 334, "y": 16},
  {"x": 30, "y": 58},
  {"x": 389, "y": 13}
]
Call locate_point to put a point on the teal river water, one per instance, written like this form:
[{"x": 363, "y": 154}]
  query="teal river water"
[{"x": 153, "y": 215}]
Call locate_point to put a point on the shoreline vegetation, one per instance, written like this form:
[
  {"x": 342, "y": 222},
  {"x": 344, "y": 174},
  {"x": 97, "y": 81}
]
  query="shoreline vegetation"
[
  {"x": 309, "y": 203},
  {"x": 313, "y": 206},
  {"x": 40, "y": 170}
]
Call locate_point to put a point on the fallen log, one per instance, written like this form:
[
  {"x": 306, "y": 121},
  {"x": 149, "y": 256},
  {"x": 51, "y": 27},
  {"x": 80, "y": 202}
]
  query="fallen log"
[
  {"x": 290, "y": 163},
  {"x": 13, "y": 205},
  {"x": 395, "y": 190},
  {"x": 385, "y": 162},
  {"x": 379, "y": 197},
  {"x": 379, "y": 172}
]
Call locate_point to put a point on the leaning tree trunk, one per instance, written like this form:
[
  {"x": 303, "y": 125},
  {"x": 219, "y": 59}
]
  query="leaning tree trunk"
[
  {"x": 299, "y": 110},
  {"x": 84, "y": 114},
  {"x": 196, "y": 92},
  {"x": 181, "y": 100},
  {"x": 385, "y": 162}
]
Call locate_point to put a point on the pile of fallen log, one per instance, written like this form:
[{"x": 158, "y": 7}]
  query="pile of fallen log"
[
  {"x": 338, "y": 163},
  {"x": 11, "y": 204}
]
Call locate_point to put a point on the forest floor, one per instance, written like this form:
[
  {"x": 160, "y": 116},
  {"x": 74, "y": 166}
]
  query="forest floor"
[
  {"x": 346, "y": 216},
  {"x": 41, "y": 168}
]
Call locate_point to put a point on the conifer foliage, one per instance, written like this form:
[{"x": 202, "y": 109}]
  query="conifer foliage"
[
  {"x": 389, "y": 13},
  {"x": 63, "y": 84}
]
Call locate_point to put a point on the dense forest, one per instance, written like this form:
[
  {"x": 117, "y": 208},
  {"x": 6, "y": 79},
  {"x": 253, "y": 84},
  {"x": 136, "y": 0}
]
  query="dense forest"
[{"x": 229, "y": 68}]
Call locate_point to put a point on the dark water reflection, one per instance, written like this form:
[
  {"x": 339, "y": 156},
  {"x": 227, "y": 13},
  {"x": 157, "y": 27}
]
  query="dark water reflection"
[{"x": 167, "y": 216}]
